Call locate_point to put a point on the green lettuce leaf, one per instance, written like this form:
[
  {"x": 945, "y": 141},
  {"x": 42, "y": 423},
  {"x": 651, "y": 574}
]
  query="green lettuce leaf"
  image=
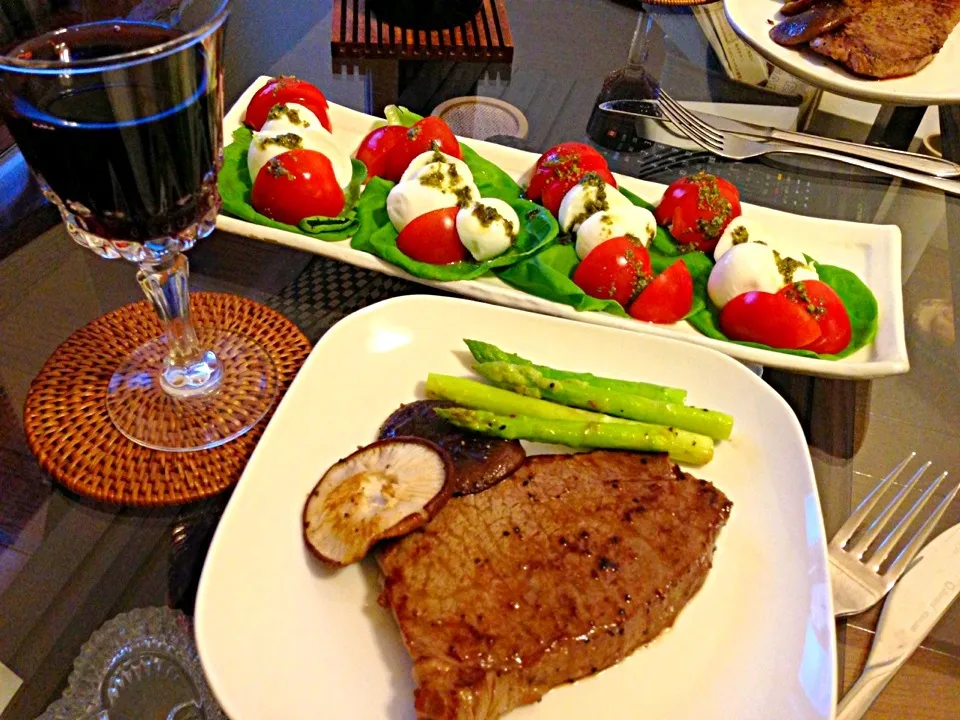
[
  {"x": 378, "y": 236},
  {"x": 857, "y": 298},
  {"x": 235, "y": 185}
]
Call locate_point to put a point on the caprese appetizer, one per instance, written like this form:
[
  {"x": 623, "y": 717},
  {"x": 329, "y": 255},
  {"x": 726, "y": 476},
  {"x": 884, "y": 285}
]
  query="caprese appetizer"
[
  {"x": 611, "y": 234},
  {"x": 441, "y": 218},
  {"x": 771, "y": 294},
  {"x": 435, "y": 206},
  {"x": 297, "y": 169}
]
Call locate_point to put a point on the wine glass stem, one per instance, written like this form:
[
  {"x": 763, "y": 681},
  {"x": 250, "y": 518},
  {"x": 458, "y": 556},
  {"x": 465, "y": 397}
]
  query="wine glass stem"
[{"x": 188, "y": 369}]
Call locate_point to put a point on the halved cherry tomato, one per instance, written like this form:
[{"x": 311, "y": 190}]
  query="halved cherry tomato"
[
  {"x": 286, "y": 89},
  {"x": 432, "y": 238},
  {"x": 668, "y": 298},
  {"x": 825, "y": 306},
  {"x": 375, "y": 148},
  {"x": 426, "y": 134},
  {"x": 571, "y": 159},
  {"x": 557, "y": 187},
  {"x": 698, "y": 208},
  {"x": 295, "y": 185},
  {"x": 770, "y": 319},
  {"x": 613, "y": 270}
]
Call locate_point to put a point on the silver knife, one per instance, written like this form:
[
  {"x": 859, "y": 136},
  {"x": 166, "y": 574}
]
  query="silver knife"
[
  {"x": 914, "y": 606},
  {"x": 938, "y": 167}
]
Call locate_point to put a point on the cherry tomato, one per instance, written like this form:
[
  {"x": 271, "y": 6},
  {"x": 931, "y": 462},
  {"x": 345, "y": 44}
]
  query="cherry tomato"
[
  {"x": 419, "y": 139},
  {"x": 698, "y": 208},
  {"x": 613, "y": 270},
  {"x": 557, "y": 187},
  {"x": 286, "y": 89},
  {"x": 432, "y": 238},
  {"x": 375, "y": 148},
  {"x": 295, "y": 185},
  {"x": 564, "y": 161},
  {"x": 826, "y": 307},
  {"x": 770, "y": 319},
  {"x": 668, "y": 298}
]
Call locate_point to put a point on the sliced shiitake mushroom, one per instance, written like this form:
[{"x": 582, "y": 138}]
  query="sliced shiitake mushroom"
[
  {"x": 479, "y": 462},
  {"x": 811, "y": 23},
  {"x": 794, "y": 7},
  {"x": 384, "y": 490}
]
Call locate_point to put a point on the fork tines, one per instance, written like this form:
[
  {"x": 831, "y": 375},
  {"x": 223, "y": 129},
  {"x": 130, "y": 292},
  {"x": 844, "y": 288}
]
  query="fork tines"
[
  {"x": 886, "y": 546},
  {"x": 690, "y": 124}
]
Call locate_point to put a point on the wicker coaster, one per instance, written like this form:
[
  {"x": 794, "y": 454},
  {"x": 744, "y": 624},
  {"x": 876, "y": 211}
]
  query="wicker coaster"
[{"x": 71, "y": 434}]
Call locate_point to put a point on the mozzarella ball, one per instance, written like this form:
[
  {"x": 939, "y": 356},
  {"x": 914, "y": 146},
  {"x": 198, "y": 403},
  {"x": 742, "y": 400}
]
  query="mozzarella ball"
[
  {"x": 290, "y": 117},
  {"x": 426, "y": 161},
  {"x": 409, "y": 200},
  {"x": 743, "y": 268},
  {"x": 738, "y": 231},
  {"x": 585, "y": 199},
  {"x": 750, "y": 230},
  {"x": 488, "y": 228},
  {"x": 631, "y": 220},
  {"x": 266, "y": 145}
]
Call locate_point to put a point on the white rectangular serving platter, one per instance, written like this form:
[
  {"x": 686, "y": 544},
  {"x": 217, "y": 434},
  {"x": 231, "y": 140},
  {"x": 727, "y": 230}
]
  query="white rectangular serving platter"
[
  {"x": 281, "y": 636},
  {"x": 870, "y": 251}
]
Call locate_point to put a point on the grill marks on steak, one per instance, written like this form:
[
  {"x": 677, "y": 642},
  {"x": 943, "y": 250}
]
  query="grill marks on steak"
[
  {"x": 890, "y": 38},
  {"x": 561, "y": 570}
]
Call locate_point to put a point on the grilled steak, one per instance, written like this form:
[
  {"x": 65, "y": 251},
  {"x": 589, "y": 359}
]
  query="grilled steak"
[
  {"x": 890, "y": 38},
  {"x": 561, "y": 570},
  {"x": 479, "y": 462}
]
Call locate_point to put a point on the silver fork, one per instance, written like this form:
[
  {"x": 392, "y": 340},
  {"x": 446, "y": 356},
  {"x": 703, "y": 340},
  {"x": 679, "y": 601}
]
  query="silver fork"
[
  {"x": 734, "y": 147},
  {"x": 857, "y": 582}
]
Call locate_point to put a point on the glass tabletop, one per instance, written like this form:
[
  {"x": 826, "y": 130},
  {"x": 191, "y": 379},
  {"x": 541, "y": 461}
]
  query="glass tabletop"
[{"x": 68, "y": 564}]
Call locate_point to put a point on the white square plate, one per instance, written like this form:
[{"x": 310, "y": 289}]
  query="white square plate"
[
  {"x": 282, "y": 637},
  {"x": 871, "y": 251}
]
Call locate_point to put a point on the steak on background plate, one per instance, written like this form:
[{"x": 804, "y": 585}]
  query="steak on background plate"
[
  {"x": 561, "y": 570},
  {"x": 890, "y": 38}
]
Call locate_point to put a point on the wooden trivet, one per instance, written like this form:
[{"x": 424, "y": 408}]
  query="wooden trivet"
[
  {"x": 357, "y": 33},
  {"x": 70, "y": 432}
]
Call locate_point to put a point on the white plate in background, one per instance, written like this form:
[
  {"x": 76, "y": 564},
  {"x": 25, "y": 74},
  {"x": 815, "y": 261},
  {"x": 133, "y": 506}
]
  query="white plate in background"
[
  {"x": 934, "y": 84},
  {"x": 280, "y": 636}
]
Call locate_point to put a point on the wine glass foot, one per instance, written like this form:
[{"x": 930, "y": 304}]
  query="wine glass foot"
[{"x": 151, "y": 416}]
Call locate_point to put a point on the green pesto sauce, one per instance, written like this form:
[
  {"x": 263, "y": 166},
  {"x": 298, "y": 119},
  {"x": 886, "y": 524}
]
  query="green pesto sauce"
[
  {"x": 275, "y": 168},
  {"x": 787, "y": 266},
  {"x": 464, "y": 196},
  {"x": 799, "y": 291},
  {"x": 290, "y": 141},
  {"x": 447, "y": 178},
  {"x": 740, "y": 235},
  {"x": 487, "y": 216},
  {"x": 292, "y": 114},
  {"x": 711, "y": 201}
]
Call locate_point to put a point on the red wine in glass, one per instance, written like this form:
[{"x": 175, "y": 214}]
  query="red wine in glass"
[
  {"x": 120, "y": 119},
  {"x": 130, "y": 153}
]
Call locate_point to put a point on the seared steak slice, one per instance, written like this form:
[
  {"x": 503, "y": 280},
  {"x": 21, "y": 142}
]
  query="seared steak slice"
[
  {"x": 890, "y": 38},
  {"x": 561, "y": 570}
]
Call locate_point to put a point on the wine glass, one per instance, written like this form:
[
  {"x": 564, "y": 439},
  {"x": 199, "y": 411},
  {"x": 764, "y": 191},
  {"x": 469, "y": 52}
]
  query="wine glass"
[{"x": 120, "y": 118}]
